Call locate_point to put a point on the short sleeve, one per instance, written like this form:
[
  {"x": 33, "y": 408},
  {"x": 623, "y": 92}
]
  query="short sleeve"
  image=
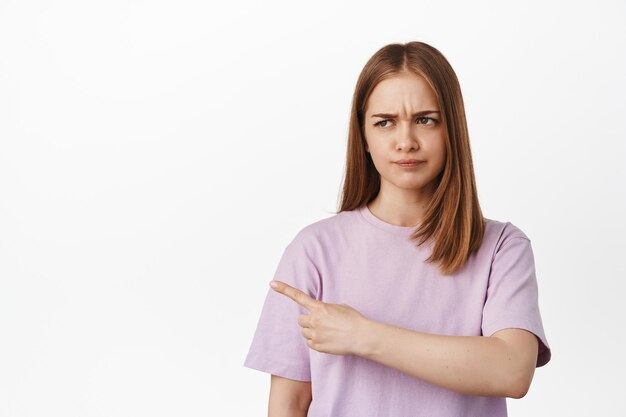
[
  {"x": 278, "y": 346},
  {"x": 512, "y": 294}
]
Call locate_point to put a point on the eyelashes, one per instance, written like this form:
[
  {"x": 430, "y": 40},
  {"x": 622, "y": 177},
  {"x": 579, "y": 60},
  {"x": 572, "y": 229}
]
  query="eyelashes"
[{"x": 434, "y": 121}]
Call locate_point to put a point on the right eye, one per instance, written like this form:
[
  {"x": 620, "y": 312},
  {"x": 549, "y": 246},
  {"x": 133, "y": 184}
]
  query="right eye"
[{"x": 380, "y": 123}]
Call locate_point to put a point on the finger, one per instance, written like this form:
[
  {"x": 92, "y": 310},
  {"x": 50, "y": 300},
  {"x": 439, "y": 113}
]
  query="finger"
[
  {"x": 295, "y": 294},
  {"x": 304, "y": 321},
  {"x": 307, "y": 333}
]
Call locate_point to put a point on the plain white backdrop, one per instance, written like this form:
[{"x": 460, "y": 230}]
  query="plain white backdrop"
[{"x": 156, "y": 157}]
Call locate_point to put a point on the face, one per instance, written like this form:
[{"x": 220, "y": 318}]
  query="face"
[{"x": 402, "y": 121}]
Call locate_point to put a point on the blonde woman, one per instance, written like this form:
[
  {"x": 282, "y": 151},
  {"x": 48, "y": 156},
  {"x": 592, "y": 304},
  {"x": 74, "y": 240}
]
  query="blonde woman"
[{"x": 407, "y": 301}]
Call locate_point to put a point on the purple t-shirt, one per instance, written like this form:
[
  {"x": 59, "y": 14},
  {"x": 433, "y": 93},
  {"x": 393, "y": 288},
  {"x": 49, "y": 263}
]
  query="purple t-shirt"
[{"x": 354, "y": 257}]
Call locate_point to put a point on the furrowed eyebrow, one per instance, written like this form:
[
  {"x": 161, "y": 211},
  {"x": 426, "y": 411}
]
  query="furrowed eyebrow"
[{"x": 393, "y": 116}]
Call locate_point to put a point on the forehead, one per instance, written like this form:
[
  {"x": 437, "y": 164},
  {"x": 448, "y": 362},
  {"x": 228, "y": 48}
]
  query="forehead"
[{"x": 405, "y": 92}]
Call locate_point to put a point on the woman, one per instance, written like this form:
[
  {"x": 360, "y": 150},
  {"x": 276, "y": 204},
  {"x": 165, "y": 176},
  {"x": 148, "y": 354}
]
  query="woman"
[{"x": 407, "y": 301}]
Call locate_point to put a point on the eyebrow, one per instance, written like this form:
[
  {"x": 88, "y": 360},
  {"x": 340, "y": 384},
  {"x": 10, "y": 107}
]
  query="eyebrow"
[{"x": 393, "y": 116}]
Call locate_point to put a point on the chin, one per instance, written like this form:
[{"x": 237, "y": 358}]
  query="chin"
[{"x": 411, "y": 183}]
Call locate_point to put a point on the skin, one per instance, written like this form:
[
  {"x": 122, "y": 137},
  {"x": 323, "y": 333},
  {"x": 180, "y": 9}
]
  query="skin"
[
  {"x": 502, "y": 364},
  {"x": 288, "y": 397},
  {"x": 404, "y": 192}
]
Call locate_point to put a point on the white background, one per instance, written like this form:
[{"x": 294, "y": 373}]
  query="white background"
[{"x": 157, "y": 156}]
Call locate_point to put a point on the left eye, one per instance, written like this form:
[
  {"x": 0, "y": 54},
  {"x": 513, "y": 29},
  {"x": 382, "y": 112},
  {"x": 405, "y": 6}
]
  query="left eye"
[{"x": 427, "y": 118}]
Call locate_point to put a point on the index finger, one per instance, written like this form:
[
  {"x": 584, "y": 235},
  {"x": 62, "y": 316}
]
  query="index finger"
[{"x": 295, "y": 294}]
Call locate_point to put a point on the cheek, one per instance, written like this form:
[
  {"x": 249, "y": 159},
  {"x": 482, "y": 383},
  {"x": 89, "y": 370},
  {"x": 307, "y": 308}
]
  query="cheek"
[
  {"x": 443, "y": 152},
  {"x": 378, "y": 158},
  {"x": 378, "y": 155},
  {"x": 441, "y": 159},
  {"x": 439, "y": 147},
  {"x": 440, "y": 150}
]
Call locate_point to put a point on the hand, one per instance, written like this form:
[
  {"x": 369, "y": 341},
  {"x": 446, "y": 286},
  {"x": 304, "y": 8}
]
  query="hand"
[{"x": 329, "y": 328}]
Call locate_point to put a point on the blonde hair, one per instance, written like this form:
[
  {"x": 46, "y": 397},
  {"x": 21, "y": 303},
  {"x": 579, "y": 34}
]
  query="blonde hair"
[{"x": 453, "y": 219}]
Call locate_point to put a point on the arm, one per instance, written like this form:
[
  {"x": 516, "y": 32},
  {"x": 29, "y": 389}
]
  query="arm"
[
  {"x": 502, "y": 365},
  {"x": 288, "y": 397}
]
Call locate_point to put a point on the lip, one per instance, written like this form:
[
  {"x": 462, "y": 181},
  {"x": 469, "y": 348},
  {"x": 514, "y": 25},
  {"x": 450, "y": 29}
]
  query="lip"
[{"x": 407, "y": 163}]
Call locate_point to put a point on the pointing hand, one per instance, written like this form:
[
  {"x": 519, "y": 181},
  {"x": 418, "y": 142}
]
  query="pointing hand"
[{"x": 329, "y": 328}]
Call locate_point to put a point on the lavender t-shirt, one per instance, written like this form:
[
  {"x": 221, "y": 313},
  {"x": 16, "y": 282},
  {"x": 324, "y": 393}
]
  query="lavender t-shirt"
[{"x": 354, "y": 257}]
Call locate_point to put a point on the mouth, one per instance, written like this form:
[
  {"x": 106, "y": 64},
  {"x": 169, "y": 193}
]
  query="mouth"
[{"x": 409, "y": 164}]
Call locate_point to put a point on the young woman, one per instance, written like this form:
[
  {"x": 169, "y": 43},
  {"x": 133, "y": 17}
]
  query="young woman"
[{"x": 407, "y": 301}]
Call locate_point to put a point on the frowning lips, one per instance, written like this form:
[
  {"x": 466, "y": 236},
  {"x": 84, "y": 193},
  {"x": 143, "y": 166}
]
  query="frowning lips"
[{"x": 408, "y": 161}]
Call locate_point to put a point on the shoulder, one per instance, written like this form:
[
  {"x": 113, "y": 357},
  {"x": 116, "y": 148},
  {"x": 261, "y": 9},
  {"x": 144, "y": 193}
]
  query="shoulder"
[
  {"x": 502, "y": 230},
  {"x": 325, "y": 231},
  {"x": 500, "y": 235}
]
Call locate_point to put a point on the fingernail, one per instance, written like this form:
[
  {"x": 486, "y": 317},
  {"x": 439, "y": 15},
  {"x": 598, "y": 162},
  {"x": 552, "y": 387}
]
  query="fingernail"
[{"x": 273, "y": 284}]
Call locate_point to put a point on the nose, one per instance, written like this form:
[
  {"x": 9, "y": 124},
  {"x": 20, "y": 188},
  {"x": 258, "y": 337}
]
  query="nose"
[{"x": 407, "y": 138}]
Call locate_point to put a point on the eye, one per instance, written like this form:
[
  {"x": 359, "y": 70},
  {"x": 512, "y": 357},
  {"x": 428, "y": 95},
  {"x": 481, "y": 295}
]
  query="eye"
[
  {"x": 434, "y": 121},
  {"x": 382, "y": 121}
]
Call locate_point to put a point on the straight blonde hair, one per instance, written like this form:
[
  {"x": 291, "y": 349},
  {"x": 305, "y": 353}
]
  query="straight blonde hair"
[{"x": 453, "y": 220}]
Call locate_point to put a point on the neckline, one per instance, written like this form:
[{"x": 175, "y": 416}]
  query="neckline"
[{"x": 369, "y": 217}]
